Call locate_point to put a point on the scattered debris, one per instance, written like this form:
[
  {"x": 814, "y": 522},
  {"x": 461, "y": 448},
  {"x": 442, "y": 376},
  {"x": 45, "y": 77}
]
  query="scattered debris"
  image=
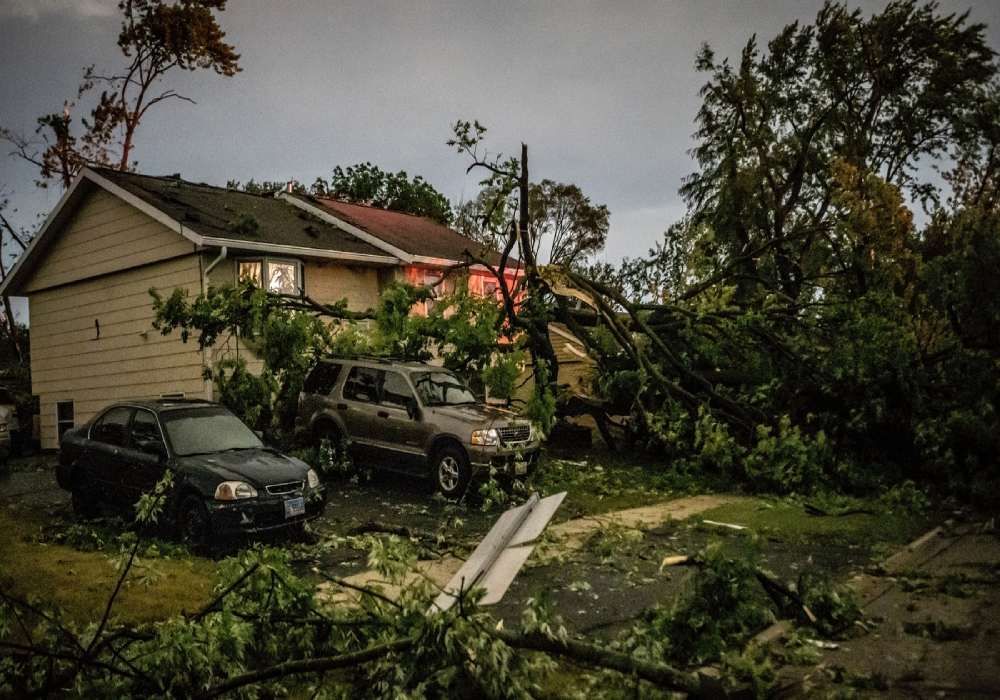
[
  {"x": 731, "y": 526},
  {"x": 675, "y": 560}
]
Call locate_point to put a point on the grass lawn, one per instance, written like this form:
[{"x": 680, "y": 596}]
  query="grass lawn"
[
  {"x": 80, "y": 582},
  {"x": 788, "y": 520},
  {"x": 599, "y": 481}
]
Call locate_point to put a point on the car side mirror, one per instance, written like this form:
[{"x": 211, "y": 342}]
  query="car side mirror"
[{"x": 152, "y": 447}]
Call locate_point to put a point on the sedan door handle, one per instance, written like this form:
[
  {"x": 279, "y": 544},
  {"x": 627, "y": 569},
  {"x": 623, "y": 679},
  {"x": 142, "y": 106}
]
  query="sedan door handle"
[
  {"x": 382, "y": 414},
  {"x": 341, "y": 406}
]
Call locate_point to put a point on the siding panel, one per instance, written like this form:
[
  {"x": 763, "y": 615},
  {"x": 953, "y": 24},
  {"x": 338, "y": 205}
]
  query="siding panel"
[
  {"x": 106, "y": 235},
  {"x": 330, "y": 282},
  {"x": 94, "y": 261}
]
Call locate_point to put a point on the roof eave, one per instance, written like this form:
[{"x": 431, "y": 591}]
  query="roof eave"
[
  {"x": 324, "y": 214},
  {"x": 10, "y": 285}
]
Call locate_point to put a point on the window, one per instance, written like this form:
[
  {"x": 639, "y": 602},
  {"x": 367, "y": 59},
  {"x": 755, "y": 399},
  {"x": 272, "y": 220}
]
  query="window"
[
  {"x": 441, "y": 388},
  {"x": 112, "y": 427},
  {"x": 396, "y": 391},
  {"x": 282, "y": 276},
  {"x": 252, "y": 270},
  {"x": 145, "y": 429},
  {"x": 322, "y": 379},
  {"x": 207, "y": 431},
  {"x": 64, "y": 417},
  {"x": 362, "y": 385},
  {"x": 491, "y": 289}
]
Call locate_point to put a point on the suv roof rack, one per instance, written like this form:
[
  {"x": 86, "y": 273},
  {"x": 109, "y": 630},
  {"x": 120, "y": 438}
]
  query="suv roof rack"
[{"x": 381, "y": 359}]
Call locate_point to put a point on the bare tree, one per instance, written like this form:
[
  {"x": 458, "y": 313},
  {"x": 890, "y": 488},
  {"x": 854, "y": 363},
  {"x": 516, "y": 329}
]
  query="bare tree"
[{"x": 155, "y": 38}]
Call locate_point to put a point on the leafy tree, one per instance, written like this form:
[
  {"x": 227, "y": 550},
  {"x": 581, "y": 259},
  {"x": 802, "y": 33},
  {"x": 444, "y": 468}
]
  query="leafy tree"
[
  {"x": 365, "y": 183},
  {"x": 561, "y": 219},
  {"x": 798, "y": 327},
  {"x": 879, "y": 95},
  {"x": 156, "y": 37}
]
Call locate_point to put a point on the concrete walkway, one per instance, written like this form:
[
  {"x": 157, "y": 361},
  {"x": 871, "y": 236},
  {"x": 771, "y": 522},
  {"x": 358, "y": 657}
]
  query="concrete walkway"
[
  {"x": 938, "y": 633},
  {"x": 565, "y": 536}
]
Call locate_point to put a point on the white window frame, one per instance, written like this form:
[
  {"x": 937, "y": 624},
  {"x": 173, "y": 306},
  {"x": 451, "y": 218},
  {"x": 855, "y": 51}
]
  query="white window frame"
[
  {"x": 60, "y": 422},
  {"x": 265, "y": 261}
]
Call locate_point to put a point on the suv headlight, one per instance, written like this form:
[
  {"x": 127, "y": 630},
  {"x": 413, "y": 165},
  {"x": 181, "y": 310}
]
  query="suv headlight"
[
  {"x": 234, "y": 491},
  {"x": 312, "y": 478},
  {"x": 486, "y": 438}
]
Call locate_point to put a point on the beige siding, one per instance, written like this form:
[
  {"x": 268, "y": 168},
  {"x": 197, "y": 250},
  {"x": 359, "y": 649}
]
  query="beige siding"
[
  {"x": 98, "y": 271},
  {"x": 129, "y": 360},
  {"x": 329, "y": 282},
  {"x": 326, "y": 282},
  {"x": 104, "y": 236}
]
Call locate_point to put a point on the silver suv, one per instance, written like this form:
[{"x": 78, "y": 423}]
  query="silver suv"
[{"x": 414, "y": 418}]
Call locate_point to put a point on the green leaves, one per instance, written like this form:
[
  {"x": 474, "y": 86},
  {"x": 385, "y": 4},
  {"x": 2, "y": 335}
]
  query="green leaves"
[{"x": 365, "y": 183}]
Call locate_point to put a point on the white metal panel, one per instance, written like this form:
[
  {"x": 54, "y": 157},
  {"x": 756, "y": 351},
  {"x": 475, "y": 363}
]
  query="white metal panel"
[{"x": 501, "y": 554}]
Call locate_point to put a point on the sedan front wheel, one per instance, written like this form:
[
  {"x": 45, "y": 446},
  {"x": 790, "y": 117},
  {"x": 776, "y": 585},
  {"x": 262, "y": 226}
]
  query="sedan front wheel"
[{"x": 192, "y": 521}]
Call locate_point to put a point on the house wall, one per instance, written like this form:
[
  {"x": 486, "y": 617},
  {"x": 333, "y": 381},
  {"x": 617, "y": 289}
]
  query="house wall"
[
  {"x": 100, "y": 268},
  {"x": 329, "y": 282},
  {"x": 325, "y": 281},
  {"x": 105, "y": 235}
]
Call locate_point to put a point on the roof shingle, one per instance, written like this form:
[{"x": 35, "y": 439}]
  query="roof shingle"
[
  {"x": 218, "y": 212},
  {"x": 412, "y": 234}
]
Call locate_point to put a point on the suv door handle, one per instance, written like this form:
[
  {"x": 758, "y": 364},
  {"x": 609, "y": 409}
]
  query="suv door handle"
[
  {"x": 341, "y": 406},
  {"x": 382, "y": 414}
]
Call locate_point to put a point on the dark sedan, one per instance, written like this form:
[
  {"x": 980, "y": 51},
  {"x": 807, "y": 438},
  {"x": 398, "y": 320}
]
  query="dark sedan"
[{"x": 226, "y": 481}]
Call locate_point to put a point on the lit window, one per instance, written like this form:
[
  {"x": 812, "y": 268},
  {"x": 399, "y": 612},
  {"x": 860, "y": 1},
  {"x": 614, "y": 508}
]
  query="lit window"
[
  {"x": 283, "y": 276},
  {"x": 251, "y": 270}
]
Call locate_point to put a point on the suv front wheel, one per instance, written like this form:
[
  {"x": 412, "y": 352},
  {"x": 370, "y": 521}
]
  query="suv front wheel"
[{"x": 451, "y": 471}]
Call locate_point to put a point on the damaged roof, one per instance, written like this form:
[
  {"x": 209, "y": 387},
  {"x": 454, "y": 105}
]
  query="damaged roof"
[
  {"x": 415, "y": 235},
  {"x": 217, "y": 212}
]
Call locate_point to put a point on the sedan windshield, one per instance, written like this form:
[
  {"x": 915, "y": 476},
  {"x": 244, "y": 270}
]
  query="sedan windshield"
[
  {"x": 441, "y": 389},
  {"x": 207, "y": 430}
]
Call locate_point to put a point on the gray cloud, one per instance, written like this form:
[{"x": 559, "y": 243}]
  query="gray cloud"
[
  {"x": 35, "y": 10},
  {"x": 605, "y": 94}
]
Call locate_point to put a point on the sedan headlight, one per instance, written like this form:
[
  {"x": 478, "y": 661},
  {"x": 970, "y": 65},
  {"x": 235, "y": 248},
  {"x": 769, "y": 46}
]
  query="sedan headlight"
[
  {"x": 234, "y": 491},
  {"x": 486, "y": 438},
  {"x": 3, "y": 428},
  {"x": 312, "y": 478}
]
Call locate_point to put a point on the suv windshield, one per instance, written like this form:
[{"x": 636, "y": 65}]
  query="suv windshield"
[
  {"x": 441, "y": 389},
  {"x": 207, "y": 430}
]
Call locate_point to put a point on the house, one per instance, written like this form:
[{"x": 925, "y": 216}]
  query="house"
[{"x": 113, "y": 236}]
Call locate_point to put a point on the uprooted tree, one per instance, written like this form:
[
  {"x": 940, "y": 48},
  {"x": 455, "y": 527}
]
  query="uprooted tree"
[{"x": 799, "y": 326}]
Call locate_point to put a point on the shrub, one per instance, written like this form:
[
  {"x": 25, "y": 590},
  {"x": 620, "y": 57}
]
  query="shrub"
[{"x": 788, "y": 461}]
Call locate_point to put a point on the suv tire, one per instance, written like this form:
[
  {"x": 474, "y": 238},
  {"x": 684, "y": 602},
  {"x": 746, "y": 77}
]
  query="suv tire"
[
  {"x": 450, "y": 471},
  {"x": 331, "y": 433}
]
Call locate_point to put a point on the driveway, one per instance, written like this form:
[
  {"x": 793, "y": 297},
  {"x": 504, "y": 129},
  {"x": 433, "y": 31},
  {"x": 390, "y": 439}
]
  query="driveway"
[{"x": 31, "y": 482}]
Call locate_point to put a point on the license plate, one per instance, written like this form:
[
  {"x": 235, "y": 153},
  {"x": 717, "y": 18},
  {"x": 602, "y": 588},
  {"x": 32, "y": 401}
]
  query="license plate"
[
  {"x": 520, "y": 468},
  {"x": 295, "y": 506}
]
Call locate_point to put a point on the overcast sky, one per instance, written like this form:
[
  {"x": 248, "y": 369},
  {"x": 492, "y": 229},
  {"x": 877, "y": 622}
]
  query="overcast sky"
[{"x": 604, "y": 94}]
